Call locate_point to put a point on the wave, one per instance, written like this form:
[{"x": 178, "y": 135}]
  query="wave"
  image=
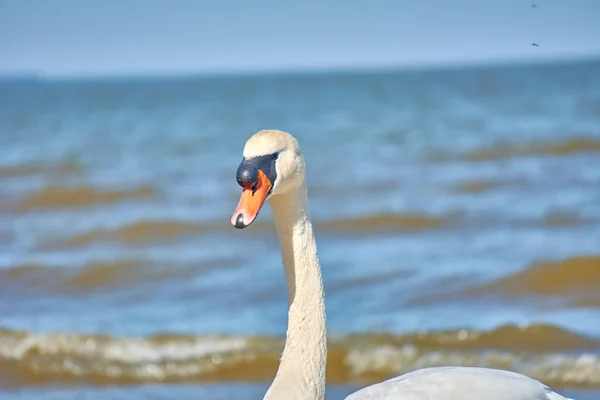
[
  {"x": 53, "y": 170},
  {"x": 165, "y": 231},
  {"x": 577, "y": 279},
  {"x": 99, "y": 275},
  {"x": 558, "y": 219},
  {"x": 571, "y": 282},
  {"x": 544, "y": 352},
  {"x": 53, "y": 197},
  {"x": 135, "y": 233},
  {"x": 549, "y": 220},
  {"x": 382, "y": 223},
  {"x": 503, "y": 151},
  {"x": 480, "y": 186}
]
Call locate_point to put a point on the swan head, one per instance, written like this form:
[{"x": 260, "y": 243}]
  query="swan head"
[{"x": 273, "y": 164}]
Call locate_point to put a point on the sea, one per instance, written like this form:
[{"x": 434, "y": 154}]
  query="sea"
[{"x": 456, "y": 211}]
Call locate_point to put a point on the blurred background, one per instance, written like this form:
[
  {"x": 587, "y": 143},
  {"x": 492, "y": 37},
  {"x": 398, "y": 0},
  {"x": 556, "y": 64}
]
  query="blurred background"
[{"x": 454, "y": 181}]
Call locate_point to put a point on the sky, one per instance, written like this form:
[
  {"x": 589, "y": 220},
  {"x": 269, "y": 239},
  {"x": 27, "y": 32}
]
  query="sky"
[{"x": 165, "y": 37}]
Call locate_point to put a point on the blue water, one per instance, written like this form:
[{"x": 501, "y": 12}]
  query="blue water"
[{"x": 376, "y": 144}]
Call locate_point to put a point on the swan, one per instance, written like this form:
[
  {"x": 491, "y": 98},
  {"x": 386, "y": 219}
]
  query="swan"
[{"x": 273, "y": 169}]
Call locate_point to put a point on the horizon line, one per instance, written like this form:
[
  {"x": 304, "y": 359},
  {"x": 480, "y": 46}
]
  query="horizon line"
[{"x": 306, "y": 70}]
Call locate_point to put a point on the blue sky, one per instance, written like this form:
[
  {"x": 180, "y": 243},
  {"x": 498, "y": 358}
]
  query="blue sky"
[{"x": 122, "y": 37}]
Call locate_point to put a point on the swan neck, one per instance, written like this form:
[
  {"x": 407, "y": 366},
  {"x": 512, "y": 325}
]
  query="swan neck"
[{"x": 301, "y": 373}]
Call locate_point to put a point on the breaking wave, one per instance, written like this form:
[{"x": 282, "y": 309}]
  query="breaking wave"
[{"x": 544, "y": 352}]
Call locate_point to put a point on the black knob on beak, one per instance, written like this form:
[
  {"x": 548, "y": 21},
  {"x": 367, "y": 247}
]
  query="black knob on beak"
[{"x": 247, "y": 173}]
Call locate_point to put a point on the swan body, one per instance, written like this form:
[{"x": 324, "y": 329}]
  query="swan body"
[
  {"x": 457, "y": 383},
  {"x": 273, "y": 169}
]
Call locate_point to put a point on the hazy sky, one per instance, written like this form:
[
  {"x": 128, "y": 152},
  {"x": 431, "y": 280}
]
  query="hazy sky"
[{"x": 86, "y": 37}]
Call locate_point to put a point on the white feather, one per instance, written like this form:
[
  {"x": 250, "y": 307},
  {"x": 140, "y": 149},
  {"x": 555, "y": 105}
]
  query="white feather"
[{"x": 458, "y": 383}]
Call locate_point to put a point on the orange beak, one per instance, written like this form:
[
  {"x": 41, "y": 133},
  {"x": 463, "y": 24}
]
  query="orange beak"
[{"x": 251, "y": 202}]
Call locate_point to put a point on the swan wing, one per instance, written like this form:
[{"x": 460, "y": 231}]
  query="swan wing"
[{"x": 458, "y": 383}]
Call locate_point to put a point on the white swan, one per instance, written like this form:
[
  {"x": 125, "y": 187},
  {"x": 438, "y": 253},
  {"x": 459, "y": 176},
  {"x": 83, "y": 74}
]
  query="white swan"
[{"x": 273, "y": 168}]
